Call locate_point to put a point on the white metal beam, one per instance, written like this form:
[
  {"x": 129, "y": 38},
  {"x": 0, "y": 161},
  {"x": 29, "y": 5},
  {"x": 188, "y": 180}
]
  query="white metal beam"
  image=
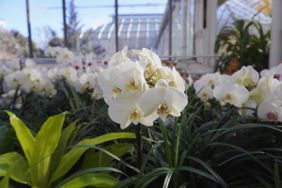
[
  {"x": 276, "y": 34},
  {"x": 205, "y": 35}
]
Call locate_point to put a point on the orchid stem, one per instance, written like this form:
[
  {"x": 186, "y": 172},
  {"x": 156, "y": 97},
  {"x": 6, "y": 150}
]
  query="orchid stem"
[{"x": 139, "y": 148}]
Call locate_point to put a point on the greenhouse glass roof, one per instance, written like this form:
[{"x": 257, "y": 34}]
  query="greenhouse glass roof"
[
  {"x": 257, "y": 10},
  {"x": 135, "y": 31}
]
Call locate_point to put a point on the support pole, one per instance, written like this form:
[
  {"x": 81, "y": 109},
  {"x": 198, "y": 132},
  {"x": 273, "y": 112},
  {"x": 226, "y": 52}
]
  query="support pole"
[
  {"x": 185, "y": 31},
  {"x": 276, "y": 34},
  {"x": 116, "y": 26},
  {"x": 65, "y": 23},
  {"x": 205, "y": 29},
  {"x": 170, "y": 29},
  {"x": 29, "y": 29}
]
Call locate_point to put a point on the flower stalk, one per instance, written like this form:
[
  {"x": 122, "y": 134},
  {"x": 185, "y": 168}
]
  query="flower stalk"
[{"x": 139, "y": 147}]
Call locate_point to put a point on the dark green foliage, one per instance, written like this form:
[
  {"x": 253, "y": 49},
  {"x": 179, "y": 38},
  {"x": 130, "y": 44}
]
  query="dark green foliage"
[{"x": 213, "y": 148}]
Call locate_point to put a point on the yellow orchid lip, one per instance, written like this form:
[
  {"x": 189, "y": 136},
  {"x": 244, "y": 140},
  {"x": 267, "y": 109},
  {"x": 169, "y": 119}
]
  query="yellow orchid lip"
[
  {"x": 132, "y": 85},
  {"x": 116, "y": 90},
  {"x": 163, "y": 109},
  {"x": 135, "y": 115}
]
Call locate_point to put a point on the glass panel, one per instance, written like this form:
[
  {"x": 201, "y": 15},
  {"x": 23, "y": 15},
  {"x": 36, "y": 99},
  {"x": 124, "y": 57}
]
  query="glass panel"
[
  {"x": 97, "y": 16},
  {"x": 143, "y": 17},
  {"x": 247, "y": 10}
]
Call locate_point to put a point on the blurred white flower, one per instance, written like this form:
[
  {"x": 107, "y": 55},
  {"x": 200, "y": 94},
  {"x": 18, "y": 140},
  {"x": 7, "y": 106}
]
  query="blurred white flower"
[
  {"x": 207, "y": 83},
  {"x": 275, "y": 72},
  {"x": 231, "y": 93},
  {"x": 14, "y": 80},
  {"x": 149, "y": 61},
  {"x": 270, "y": 110},
  {"x": 63, "y": 55},
  {"x": 246, "y": 76},
  {"x": 119, "y": 57},
  {"x": 265, "y": 87},
  {"x": 29, "y": 63},
  {"x": 205, "y": 94},
  {"x": 173, "y": 78}
]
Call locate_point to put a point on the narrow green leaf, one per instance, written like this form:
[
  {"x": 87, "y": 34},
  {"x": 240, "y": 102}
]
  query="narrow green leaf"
[
  {"x": 199, "y": 172},
  {"x": 114, "y": 157},
  {"x": 24, "y": 135},
  {"x": 75, "y": 153},
  {"x": 206, "y": 166},
  {"x": 167, "y": 178},
  {"x": 93, "y": 179},
  {"x": 277, "y": 179},
  {"x": 45, "y": 144},
  {"x": 100, "y": 158},
  {"x": 166, "y": 143},
  {"x": 151, "y": 176}
]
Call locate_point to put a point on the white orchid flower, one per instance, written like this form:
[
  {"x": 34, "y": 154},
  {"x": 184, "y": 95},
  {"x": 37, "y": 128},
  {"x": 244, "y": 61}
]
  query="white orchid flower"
[
  {"x": 14, "y": 79},
  {"x": 126, "y": 110},
  {"x": 265, "y": 87},
  {"x": 205, "y": 85},
  {"x": 163, "y": 100},
  {"x": 205, "y": 93},
  {"x": 53, "y": 73},
  {"x": 124, "y": 79},
  {"x": 119, "y": 57},
  {"x": 173, "y": 78},
  {"x": 270, "y": 110},
  {"x": 149, "y": 61},
  {"x": 210, "y": 80},
  {"x": 231, "y": 93},
  {"x": 275, "y": 72},
  {"x": 69, "y": 74},
  {"x": 246, "y": 76}
]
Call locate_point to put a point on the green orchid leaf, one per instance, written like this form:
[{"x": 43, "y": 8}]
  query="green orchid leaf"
[
  {"x": 91, "y": 179},
  {"x": 4, "y": 183},
  {"x": 24, "y": 135},
  {"x": 61, "y": 149},
  {"x": 75, "y": 153},
  {"x": 45, "y": 144},
  {"x": 16, "y": 165}
]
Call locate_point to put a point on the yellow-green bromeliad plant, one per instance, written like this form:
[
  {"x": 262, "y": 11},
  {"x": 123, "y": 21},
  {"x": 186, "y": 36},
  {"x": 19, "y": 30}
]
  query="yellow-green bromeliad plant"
[{"x": 47, "y": 160}]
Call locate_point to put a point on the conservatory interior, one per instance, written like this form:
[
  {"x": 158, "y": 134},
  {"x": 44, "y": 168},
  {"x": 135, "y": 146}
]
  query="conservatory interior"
[{"x": 141, "y": 93}]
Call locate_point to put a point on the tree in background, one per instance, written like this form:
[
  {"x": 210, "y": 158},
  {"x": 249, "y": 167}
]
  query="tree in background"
[
  {"x": 54, "y": 39},
  {"x": 73, "y": 28}
]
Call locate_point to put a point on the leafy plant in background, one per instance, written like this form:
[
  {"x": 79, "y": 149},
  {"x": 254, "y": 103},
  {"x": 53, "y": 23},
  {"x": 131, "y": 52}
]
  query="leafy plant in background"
[
  {"x": 243, "y": 43},
  {"x": 48, "y": 158},
  {"x": 211, "y": 147}
]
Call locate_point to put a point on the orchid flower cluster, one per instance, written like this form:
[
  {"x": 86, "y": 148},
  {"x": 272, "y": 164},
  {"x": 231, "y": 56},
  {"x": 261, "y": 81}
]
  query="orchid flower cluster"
[
  {"x": 247, "y": 90},
  {"x": 138, "y": 89},
  {"x": 30, "y": 79},
  {"x": 79, "y": 72},
  {"x": 62, "y": 55}
]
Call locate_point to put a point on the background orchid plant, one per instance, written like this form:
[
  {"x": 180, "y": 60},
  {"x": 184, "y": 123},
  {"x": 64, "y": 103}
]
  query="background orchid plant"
[{"x": 257, "y": 95}]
